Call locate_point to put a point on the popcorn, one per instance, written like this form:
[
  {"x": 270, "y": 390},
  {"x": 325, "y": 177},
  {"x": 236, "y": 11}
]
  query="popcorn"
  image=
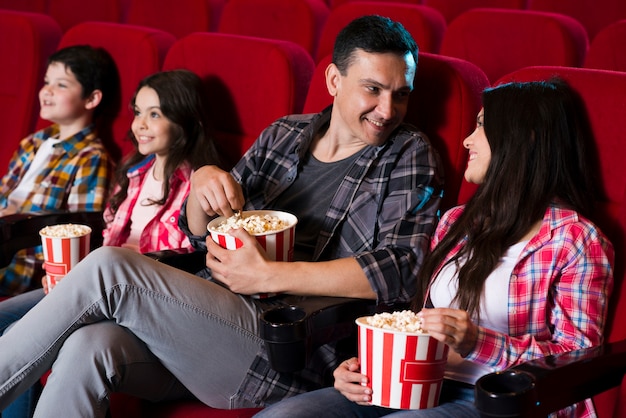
[
  {"x": 405, "y": 321},
  {"x": 65, "y": 231},
  {"x": 254, "y": 224}
]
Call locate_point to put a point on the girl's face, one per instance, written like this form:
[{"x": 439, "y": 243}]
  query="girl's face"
[
  {"x": 152, "y": 130},
  {"x": 61, "y": 96},
  {"x": 479, "y": 152}
]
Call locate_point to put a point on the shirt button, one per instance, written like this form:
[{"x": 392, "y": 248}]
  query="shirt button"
[{"x": 172, "y": 219}]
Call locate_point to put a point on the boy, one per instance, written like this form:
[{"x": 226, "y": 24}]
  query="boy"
[{"x": 64, "y": 166}]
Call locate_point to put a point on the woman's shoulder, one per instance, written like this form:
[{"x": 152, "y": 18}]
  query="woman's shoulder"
[{"x": 569, "y": 222}]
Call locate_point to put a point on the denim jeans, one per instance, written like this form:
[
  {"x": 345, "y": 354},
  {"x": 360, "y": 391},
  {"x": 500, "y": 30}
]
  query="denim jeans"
[
  {"x": 454, "y": 402},
  {"x": 202, "y": 334},
  {"x": 14, "y": 308},
  {"x": 11, "y": 310}
]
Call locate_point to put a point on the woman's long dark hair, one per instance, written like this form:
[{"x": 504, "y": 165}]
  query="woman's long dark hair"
[
  {"x": 182, "y": 101},
  {"x": 538, "y": 133}
]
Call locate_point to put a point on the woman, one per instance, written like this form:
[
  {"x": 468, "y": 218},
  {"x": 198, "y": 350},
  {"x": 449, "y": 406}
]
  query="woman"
[{"x": 517, "y": 273}]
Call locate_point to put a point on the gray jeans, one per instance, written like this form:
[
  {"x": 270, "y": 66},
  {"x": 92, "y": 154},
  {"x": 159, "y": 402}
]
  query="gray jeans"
[{"x": 120, "y": 321}]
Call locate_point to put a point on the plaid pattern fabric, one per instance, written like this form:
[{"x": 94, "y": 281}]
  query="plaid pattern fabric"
[
  {"x": 76, "y": 178},
  {"x": 558, "y": 294},
  {"x": 162, "y": 231},
  {"x": 383, "y": 215}
]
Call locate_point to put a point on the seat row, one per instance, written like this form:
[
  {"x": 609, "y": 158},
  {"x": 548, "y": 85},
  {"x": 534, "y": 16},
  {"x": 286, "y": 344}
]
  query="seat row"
[{"x": 205, "y": 14}]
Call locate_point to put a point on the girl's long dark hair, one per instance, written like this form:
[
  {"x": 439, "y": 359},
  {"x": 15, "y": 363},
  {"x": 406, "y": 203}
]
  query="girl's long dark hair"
[
  {"x": 538, "y": 133},
  {"x": 182, "y": 102}
]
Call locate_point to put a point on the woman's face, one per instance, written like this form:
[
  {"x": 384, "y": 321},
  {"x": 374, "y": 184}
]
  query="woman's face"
[
  {"x": 152, "y": 130},
  {"x": 479, "y": 152}
]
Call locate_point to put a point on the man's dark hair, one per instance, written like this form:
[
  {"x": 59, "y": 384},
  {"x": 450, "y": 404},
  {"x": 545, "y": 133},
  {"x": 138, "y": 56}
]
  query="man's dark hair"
[{"x": 373, "y": 34}]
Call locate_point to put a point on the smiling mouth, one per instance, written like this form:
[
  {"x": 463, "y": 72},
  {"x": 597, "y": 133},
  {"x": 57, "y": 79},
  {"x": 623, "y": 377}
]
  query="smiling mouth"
[{"x": 375, "y": 123}]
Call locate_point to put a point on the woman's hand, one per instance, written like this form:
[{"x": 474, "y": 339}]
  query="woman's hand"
[
  {"x": 351, "y": 383},
  {"x": 451, "y": 326}
]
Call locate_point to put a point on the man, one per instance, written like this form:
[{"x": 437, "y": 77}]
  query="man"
[{"x": 365, "y": 189}]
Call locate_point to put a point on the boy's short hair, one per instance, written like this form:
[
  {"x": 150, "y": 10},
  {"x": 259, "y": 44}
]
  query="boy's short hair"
[
  {"x": 95, "y": 69},
  {"x": 373, "y": 34}
]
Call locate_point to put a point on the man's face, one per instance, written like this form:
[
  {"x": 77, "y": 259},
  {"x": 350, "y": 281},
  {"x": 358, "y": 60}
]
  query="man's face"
[{"x": 371, "y": 99}]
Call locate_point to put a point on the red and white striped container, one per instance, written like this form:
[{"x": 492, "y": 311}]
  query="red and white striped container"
[
  {"x": 62, "y": 253},
  {"x": 405, "y": 369},
  {"x": 278, "y": 245}
]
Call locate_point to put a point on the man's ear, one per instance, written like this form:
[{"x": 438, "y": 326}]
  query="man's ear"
[
  {"x": 333, "y": 77},
  {"x": 93, "y": 100}
]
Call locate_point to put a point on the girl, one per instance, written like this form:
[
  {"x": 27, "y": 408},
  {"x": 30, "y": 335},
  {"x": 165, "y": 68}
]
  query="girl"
[{"x": 170, "y": 133}]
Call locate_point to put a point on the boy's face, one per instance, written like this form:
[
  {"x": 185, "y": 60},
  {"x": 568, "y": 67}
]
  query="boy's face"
[
  {"x": 61, "y": 96},
  {"x": 371, "y": 99}
]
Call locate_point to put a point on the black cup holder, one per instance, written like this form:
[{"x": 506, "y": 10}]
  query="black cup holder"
[
  {"x": 285, "y": 334},
  {"x": 505, "y": 394}
]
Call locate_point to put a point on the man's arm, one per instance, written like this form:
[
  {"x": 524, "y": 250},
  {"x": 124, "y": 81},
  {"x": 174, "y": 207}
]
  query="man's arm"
[{"x": 246, "y": 271}]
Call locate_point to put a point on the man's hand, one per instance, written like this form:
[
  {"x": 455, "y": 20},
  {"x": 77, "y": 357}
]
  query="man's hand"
[
  {"x": 244, "y": 270},
  {"x": 213, "y": 192}
]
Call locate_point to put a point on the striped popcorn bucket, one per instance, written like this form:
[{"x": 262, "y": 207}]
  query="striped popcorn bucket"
[
  {"x": 61, "y": 253},
  {"x": 278, "y": 245},
  {"x": 405, "y": 369}
]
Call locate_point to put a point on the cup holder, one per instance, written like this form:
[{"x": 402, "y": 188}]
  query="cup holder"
[
  {"x": 505, "y": 394},
  {"x": 284, "y": 332}
]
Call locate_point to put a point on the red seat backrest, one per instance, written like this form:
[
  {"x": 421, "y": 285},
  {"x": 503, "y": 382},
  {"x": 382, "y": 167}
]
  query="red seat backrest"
[
  {"x": 450, "y": 9},
  {"x": 603, "y": 94},
  {"x": 137, "y": 51},
  {"x": 425, "y": 24},
  {"x": 444, "y": 105},
  {"x": 250, "y": 81},
  {"x": 72, "y": 12},
  {"x": 180, "y": 17},
  {"x": 503, "y": 40},
  {"x": 34, "y": 6},
  {"x": 593, "y": 14},
  {"x": 606, "y": 50},
  {"x": 299, "y": 21},
  {"x": 26, "y": 41},
  {"x": 336, "y": 3}
]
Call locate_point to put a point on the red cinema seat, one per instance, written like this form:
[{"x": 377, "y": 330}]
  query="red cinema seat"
[
  {"x": 594, "y": 15},
  {"x": 250, "y": 82},
  {"x": 34, "y": 6},
  {"x": 450, "y": 9},
  {"x": 298, "y": 21},
  {"x": 72, "y": 12},
  {"x": 425, "y": 24},
  {"x": 26, "y": 42},
  {"x": 137, "y": 51},
  {"x": 502, "y": 40},
  {"x": 336, "y": 3},
  {"x": 444, "y": 105},
  {"x": 180, "y": 18},
  {"x": 606, "y": 50}
]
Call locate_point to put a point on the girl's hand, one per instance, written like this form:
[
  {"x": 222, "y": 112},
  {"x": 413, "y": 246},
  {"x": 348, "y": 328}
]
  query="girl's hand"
[
  {"x": 451, "y": 326},
  {"x": 351, "y": 384}
]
